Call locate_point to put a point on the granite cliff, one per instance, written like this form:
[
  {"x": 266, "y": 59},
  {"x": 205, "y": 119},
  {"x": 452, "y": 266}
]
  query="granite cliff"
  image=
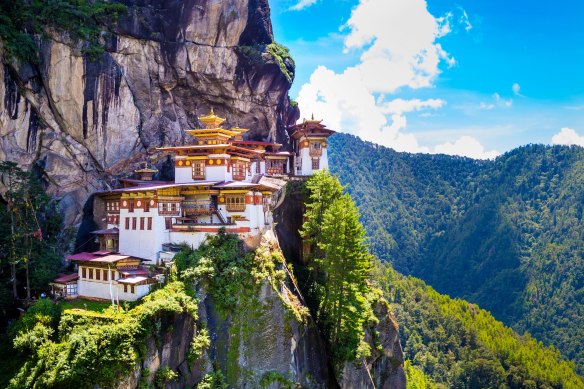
[{"x": 80, "y": 122}]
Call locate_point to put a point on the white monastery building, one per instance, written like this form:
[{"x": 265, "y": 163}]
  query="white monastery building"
[{"x": 222, "y": 182}]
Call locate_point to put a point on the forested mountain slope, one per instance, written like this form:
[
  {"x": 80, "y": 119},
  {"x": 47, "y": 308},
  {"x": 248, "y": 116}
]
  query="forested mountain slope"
[
  {"x": 506, "y": 234},
  {"x": 453, "y": 343}
]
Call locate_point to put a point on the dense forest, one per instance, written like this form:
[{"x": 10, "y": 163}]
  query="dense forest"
[
  {"x": 506, "y": 234},
  {"x": 453, "y": 343}
]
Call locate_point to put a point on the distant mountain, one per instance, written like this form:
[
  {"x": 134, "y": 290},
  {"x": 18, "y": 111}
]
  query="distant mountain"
[{"x": 506, "y": 234}]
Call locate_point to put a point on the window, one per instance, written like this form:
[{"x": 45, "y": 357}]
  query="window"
[
  {"x": 315, "y": 163},
  {"x": 105, "y": 275},
  {"x": 235, "y": 203},
  {"x": 90, "y": 274},
  {"x": 168, "y": 223},
  {"x": 275, "y": 167},
  {"x": 113, "y": 274},
  {"x": 97, "y": 274},
  {"x": 198, "y": 170},
  {"x": 83, "y": 273},
  {"x": 130, "y": 205},
  {"x": 141, "y": 223},
  {"x": 133, "y": 223},
  {"x": 173, "y": 207},
  {"x": 72, "y": 289},
  {"x": 146, "y": 205},
  {"x": 315, "y": 149},
  {"x": 149, "y": 223},
  {"x": 125, "y": 288},
  {"x": 127, "y": 223},
  {"x": 238, "y": 171},
  {"x": 132, "y": 289},
  {"x": 258, "y": 167}
]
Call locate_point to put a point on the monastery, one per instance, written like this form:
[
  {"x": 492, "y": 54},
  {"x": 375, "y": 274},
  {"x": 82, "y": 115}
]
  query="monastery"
[{"x": 222, "y": 182}]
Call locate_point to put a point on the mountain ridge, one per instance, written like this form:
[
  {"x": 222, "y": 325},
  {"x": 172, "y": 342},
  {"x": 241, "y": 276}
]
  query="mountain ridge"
[{"x": 505, "y": 234}]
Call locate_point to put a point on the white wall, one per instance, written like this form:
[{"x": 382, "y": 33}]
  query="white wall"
[
  {"x": 183, "y": 174},
  {"x": 193, "y": 239},
  {"x": 145, "y": 243}
]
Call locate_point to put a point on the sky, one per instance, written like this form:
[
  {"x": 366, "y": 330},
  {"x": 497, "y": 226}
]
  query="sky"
[{"x": 472, "y": 78}]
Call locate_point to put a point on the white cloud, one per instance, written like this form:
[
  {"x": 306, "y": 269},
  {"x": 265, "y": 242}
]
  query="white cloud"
[
  {"x": 501, "y": 102},
  {"x": 464, "y": 20},
  {"x": 568, "y": 136},
  {"x": 516, "y": 88},
  {"x": 466, "y": 146},
  {"x": 302, "y": 4},
  {"x": 397, "y": 42}
]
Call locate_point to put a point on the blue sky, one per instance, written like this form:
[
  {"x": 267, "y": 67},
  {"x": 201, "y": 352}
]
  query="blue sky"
[{"x": 473, "y": 78}]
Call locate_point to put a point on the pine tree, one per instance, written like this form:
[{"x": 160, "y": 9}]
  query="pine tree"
[{"x": 341, "y": 265}]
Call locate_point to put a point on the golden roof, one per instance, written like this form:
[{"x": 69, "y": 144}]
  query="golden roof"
[{"x": 211, "y": 120}]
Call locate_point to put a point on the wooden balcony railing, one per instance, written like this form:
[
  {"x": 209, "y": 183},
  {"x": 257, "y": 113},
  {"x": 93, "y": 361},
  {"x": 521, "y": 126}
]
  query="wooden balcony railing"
[{"x": 198, "y": 208}]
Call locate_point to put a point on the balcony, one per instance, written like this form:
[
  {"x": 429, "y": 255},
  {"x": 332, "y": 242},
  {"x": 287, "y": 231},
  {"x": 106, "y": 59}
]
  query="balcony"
[{"x": 198, "y": 208}]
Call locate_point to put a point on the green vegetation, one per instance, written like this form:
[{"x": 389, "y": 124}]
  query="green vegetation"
[
  {"x": 82, "y": 19},
  {"x": 416, "y": 379},
  {"x": 282, "y": 56},
  {"x": 340, "y": 266},
  {"x": 453, "y": 343},
  {"x": 102, "y": 346},
  {"x": 273, "y": 53},
  {"x": 163, "y": 376},
  {"x": 30, "y": 237},
  {"x": 505, "y": 234}
]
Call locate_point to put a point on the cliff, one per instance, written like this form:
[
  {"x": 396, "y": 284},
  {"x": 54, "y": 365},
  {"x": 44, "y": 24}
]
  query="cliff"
[
  {"x": 81, "y": 122},
  {"x": 269, "y": 340}
]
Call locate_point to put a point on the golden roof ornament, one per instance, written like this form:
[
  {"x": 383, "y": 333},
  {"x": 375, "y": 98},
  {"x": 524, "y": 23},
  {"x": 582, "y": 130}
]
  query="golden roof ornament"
[
  {"x": 146, "y": 169},
  {"x": 211, "y": 120}
]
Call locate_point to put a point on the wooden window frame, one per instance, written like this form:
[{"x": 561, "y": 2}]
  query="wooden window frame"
[
  {"x": 97, "y": 274},
  {"x": 127, "y": 223},
  {"x": 198, "y": 170},
  {"x": 235, "y": 203},
  {"x": 105, "y": 275},
  {"x": 142, "y": 223},
  {"x": 134, "y": 222},
  {"x": 315, "y": 163},
  {"x": 149, "y": 223},
  {"x": 238, "y": 171},
  {"x": 168, "y": 223},
  {"x": 90, "y": 271},
  {"x": 130, "y": 205},
  {"x": 83, "y": 272}
]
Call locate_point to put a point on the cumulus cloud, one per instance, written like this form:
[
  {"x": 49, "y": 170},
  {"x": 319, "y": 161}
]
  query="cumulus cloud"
[
  {"x": 568, "y": 136},
  {"x": 398, "y": 45},
  {"x": 466, "y": 146},
  {"x": 302, "y": 4}
]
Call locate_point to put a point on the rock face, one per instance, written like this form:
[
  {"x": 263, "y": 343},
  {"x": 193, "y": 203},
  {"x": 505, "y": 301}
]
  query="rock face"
[
  {"x": 384, "y": 368},
  {"x": 83, "y": 121}
]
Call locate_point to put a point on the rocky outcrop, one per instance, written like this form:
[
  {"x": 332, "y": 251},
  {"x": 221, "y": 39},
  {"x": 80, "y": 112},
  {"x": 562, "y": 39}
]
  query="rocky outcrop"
[
  {"x": 85, "y": 121},
  {"x": 384, "y": 368}
]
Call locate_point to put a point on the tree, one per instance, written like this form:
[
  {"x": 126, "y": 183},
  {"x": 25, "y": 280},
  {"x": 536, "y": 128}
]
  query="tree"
[
  {"x": 30, "y": 226},
  {"x": 342, "y": 264}
]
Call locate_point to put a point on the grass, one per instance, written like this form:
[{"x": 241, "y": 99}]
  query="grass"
[{"x": 89, "y": 305}]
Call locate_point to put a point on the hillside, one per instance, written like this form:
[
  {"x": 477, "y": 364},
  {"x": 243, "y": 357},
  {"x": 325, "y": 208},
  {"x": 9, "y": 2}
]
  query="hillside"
[
  {"x": 457, "y": 344},
  {"x": 505, "y": 234}
]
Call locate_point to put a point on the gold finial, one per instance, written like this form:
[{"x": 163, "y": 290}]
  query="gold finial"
[
  {"x": 212, "y": 112},
  {"x": 312, "y": 116}
]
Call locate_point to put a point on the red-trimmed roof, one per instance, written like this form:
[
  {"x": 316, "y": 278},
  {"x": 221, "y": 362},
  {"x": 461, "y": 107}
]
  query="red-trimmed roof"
[
  {"x": 66, "y": 278},
  {"x": 84, "y": 256}
]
